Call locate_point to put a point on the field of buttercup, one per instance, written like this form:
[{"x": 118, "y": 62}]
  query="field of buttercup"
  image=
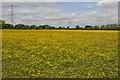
[{"x": 59, "y": 54}]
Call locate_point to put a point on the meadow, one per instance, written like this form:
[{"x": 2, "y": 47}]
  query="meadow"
[{"x": 59, "y": 54}]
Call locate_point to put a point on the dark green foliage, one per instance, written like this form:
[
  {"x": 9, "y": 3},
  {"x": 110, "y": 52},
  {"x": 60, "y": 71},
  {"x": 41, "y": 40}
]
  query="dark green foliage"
[
  {"x": 32, "y": 27},
  {"x": 88, "y": 27},
  {"x": 4, "y": 25},
  {"x": 7, "y": 26},
  {"x": 20, "y": 26},
  {"x": 77, "y": 27}
]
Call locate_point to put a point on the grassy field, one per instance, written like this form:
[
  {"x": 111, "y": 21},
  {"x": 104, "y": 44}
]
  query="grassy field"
[{"x": 59, "y": 54}]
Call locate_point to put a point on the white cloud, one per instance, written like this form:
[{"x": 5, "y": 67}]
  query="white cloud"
[
  {"x": 41, "y": 1},
  {"x": 109, "y": 1},
  {"x": 53, "y": 0},
  {"x": 98, "y": 18},
  {"x": 92, "y": 18},
  {"x": 58, "y": 16},
  {"x": 30, "y": 4},
  {"x": 107, "y": 4},
  {"x": 89, "y": 0},
  {"x": 39, "y": 11},
  {"x": 89, "y": 7}
]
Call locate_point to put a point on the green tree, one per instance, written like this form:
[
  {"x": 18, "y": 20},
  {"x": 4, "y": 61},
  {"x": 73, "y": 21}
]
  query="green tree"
[
  {"x": 26, "y": 27},
  {"x": 32, "y": 27},
  {"x": 43, "y": 27},
  {"x": 59, "y": 27},
  {"x": 20, "y": 26},
  {"x": 96, "y": 27},
  {"x": 8, "y": 26},
  {"x": 102, "y": 27},
  {"x": 77, "y": 27},
  {"x": 88, "y": 27},
  {"x": 2, "y": 23}
]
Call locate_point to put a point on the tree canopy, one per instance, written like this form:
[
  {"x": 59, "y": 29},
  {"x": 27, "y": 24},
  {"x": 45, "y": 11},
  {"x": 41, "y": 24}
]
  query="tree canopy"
[{"x": 4, "y": 25}]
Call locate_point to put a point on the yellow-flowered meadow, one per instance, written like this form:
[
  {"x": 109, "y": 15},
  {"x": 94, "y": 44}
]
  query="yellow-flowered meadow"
[{"x": 59, "y": 54}]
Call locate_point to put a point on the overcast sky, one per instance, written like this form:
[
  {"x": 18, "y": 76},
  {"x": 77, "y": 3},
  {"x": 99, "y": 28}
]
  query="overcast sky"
[{"x": 56, "y": 13}]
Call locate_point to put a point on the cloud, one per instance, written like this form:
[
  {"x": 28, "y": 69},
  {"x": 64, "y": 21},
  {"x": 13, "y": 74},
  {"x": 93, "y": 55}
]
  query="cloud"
[
  {"x": 89, "y": 0},
  {"x": 50, "y": 0},
  {"x": 109, "y": 1},
  {"x": 39, "y": 0},
  {"x": 28, "y": 4},
  {"x": 98, "y": 18},
  {"x": 89, "y": 7},
  {"x": 107, "y": 4},
  {"x": 58, "y": 15},
  {"x": 38, "y": 11},
  {"x": 92, "y": 18}
]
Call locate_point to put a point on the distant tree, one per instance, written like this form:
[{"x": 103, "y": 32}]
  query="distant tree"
[
  {"x": 32, "y": 27},
  {"x": 43, "y": 27},
  {"x": 50, "y": 27},
  {"x": 36, "y": 27},
  {"x": 64, "y": 28},
  {"x": 8, "y": 26},
  {"x": 2, "y": 23},
  {"x": 88, "y": 27},
  {"x": 39, "y": 26},
  {"x": 77, "y": 27},
  {"x": 59, "y": 27},
  {"x": 68, "y": 27},
  {"x": 81, "y": 28},
  {"x": 20, "y": 26},
  {"x": 53, "y": 27},
  {"x": 46, "y": 26},
  {"x": 26, "y": 27},
  {"x": 102, "y": 27},
  {"x": 96, "y": 27},
  {"x": 113, "y": 26},
  {"x": 72, "y": 28}
]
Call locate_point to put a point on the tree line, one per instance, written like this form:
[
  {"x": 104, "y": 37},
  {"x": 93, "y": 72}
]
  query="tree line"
[{"x": 4, "y": 25}]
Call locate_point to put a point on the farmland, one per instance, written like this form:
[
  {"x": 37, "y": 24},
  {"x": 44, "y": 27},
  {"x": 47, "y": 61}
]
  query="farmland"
[{"x": 59, "y": 54}]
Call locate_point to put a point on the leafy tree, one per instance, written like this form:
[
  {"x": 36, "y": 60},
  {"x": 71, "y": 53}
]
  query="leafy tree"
[
  {"x": 77, "y": 27},
  {"x": 102, "y": 26},
  {"x": 81, "y": 28},
  {"x": 26, "y": 27},
  {"x": 8, "y": 26},
  {"x": 2, "y": 23},
  {"x": 96, "y": 27},
  {"x": 64, "y": 28},
  {"x": 68, "y": 27},
  {"x": 32, "y": 27},
  {"x": 59, "y": 27},
  {"x": 88, "y": 27},
  {"x": 37, "y": 27},
  {"x": 43, "y": 27},
  {"x": 20, "y": 26}
]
